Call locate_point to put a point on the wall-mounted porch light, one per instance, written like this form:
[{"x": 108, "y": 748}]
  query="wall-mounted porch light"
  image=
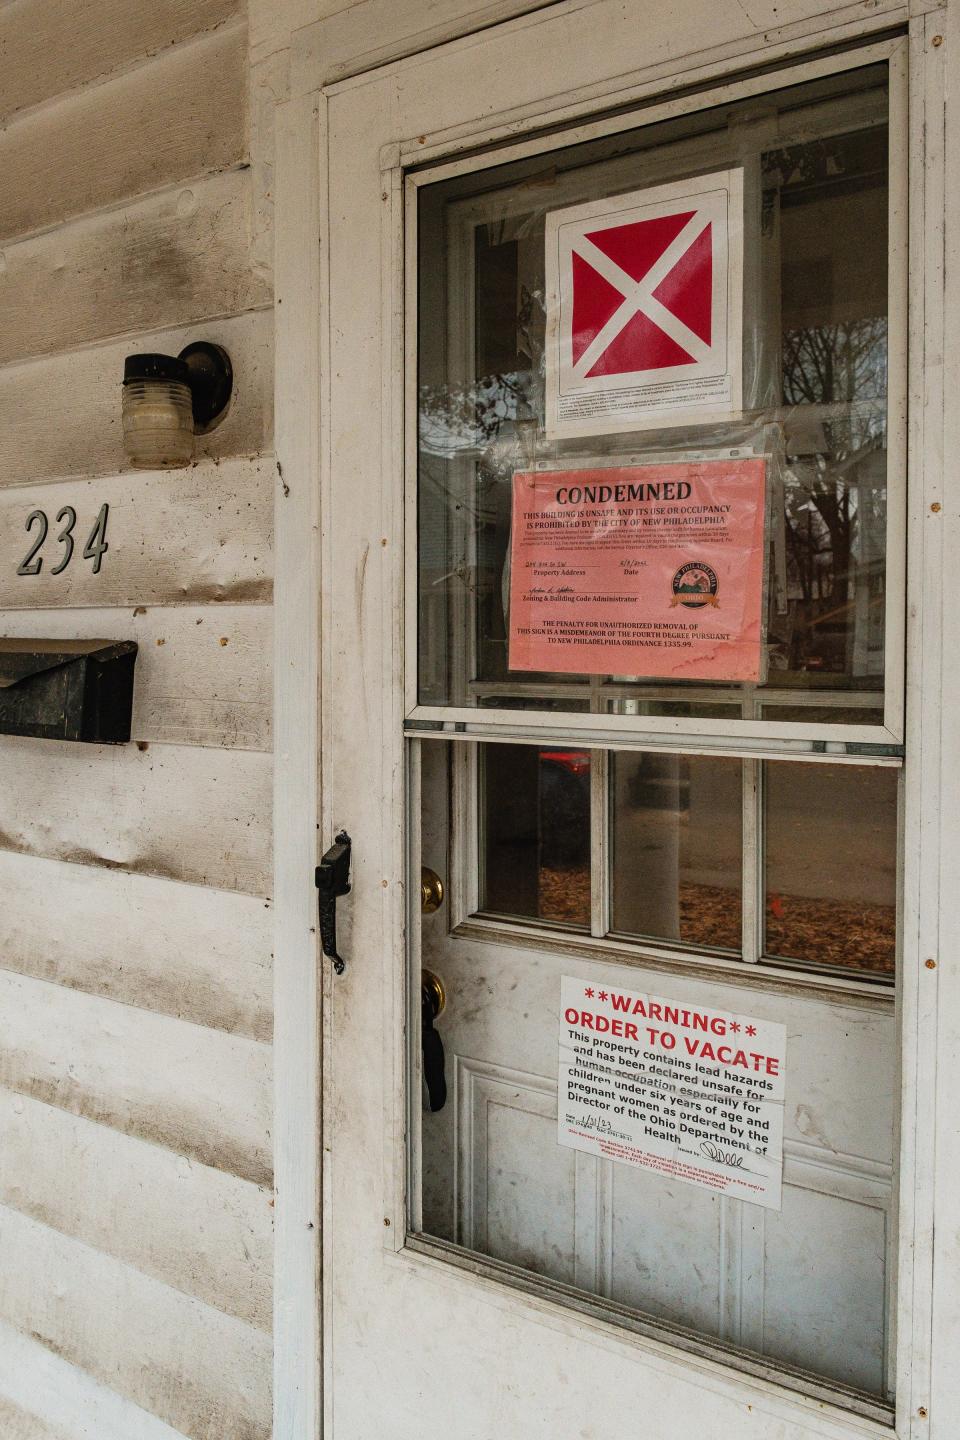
[{"x": 167, "y": 399}]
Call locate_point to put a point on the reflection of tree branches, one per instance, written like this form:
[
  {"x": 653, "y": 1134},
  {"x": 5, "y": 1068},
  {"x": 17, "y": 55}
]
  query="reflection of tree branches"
[
  {"x": 831, "y": 364},
  {"x": 840, "y": 369},
  {"x": 466, "y": 419},
  {"x": 468, "y": 445},
  {"x": 804, "y": 551},
  {"x": 837, "y": 365}
]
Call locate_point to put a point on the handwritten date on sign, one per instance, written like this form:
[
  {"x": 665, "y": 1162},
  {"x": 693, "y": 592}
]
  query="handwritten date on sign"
[{"x": 38, "y": 525}]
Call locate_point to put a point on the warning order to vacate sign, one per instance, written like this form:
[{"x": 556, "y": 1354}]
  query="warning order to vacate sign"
[{"x": 685, "y": 1091}]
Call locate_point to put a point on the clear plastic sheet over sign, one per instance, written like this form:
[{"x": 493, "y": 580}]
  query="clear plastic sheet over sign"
[{"x": 652, "y": 570}]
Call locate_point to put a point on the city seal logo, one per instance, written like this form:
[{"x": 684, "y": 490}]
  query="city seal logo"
[{"x": 695, "y": 585}]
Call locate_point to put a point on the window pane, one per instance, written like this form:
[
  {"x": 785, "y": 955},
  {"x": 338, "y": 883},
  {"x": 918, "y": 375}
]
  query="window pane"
[
  {"x": 831, "y": 865},
  {"x": 536, "y": 832},
  {"x": 677, "y": 849},
  {"x": 831, "y": 198},
  {"x": 814, "y": 363}
]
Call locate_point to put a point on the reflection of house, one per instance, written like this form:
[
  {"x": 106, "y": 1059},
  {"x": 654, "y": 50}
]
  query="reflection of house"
[{"x": 834, "y": 542}]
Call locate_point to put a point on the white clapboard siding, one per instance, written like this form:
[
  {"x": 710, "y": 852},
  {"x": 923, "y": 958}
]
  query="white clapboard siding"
[
  {"x": 196, "y": 1229},
  {"x": 178, "y": 536},
  {"x": 18, "y": 1424},
  {"x": 189, "y": 814},
  {"x": 203, "y": 1372},
  {"x": 79, "y": 433},
  {"x": 73, "y": 1406},
  {"x": 201, "y": 1093},
  {"x": 181, "y": 115},
  {"x": 170, "y": 259},
  {"x": 104, "y": 35},
  {"x": 183, "y": 950},
  {"x": 203, "y": 675}
]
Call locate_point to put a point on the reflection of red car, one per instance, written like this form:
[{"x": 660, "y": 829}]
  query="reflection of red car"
[
  {"x": 576, "y": 761},
  {"x": 564, "y": 807}
]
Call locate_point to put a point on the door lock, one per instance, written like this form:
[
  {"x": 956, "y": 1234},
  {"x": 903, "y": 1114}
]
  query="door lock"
[
  {"x": 431, "y": 890},
  {"x": 433, "y": 999},
  {"x": 333, "y": 879}
]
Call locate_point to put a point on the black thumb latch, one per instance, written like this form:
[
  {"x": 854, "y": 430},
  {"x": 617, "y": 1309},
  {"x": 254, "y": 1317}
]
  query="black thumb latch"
[
  {"x": 433, "y": 1057},
  {"x": 333, "y": 879}
]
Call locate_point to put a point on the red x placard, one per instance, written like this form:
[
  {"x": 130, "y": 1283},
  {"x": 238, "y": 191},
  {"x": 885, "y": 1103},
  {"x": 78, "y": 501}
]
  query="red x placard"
[
  {"x": 644, "y": 302},
  {"x": 643, "y": 295}
]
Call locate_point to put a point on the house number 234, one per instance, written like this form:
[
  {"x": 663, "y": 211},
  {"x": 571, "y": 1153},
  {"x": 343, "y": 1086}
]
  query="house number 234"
[{"x": 32, "y": 562}]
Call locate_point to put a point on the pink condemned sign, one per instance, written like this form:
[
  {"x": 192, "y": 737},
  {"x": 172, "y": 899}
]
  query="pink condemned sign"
[{"x": 647, "y": 570}]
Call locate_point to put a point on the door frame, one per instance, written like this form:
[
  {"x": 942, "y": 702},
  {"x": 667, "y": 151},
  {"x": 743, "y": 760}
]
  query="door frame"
[{"x": 929, "y": 1329}]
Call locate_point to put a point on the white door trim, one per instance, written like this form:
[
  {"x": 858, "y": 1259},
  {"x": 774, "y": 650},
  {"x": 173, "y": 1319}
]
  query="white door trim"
[{"x": 296, "y": 1031}]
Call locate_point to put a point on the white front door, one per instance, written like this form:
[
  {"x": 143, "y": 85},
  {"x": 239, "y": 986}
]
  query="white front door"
[
  {"x": 654, "y": 1186},
  {"x": 803, "y": 1279}
]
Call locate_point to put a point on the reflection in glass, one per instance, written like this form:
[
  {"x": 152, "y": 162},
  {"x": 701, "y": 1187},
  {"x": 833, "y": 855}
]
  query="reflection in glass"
[
  {"x": 677, "y": 849},
  {"x": 536, "y": 832},
  {"x": 830, "y": 198},
  {"x": 815, "y": 388},
  {"x": 831, "y": 853}
]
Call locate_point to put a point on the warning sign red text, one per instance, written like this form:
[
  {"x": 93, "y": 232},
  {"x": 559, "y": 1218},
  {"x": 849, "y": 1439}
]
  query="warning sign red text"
[{"x": 693, "y": 1093}]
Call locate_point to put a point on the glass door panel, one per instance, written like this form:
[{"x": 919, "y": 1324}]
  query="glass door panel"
[
  {"x": 657, "y": 1039},
  {"x": 831, "y": 866},
  {"x": 677, "y": 859},
  {"x": 804, "y": 1281},
  {"x": 816, "y": 406}
]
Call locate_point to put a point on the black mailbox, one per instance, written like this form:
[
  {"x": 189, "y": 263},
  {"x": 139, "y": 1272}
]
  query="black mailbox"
[{"x": 67, "y": 689}]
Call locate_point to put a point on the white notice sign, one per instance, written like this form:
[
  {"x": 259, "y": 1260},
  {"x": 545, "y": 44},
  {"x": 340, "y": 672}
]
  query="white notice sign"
[
  {"x": 645, "y": 308},
  {"x": 690, "y": 1092}
]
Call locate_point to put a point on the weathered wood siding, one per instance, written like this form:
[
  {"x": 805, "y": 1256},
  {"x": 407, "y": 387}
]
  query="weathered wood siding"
[
  {"x": 177, "y": 254},
  {"x": 136, "y": 1188},
  {"x": 192, "y": 953},
  {"x": 203, "y": 672},
  {"x": 136, "y": 883},
  {"x": 175, "y": 536},
  {"x": 182, "y": 117}
]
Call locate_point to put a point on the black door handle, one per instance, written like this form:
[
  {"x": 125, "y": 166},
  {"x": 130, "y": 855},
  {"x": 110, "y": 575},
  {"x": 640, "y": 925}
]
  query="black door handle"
[
  {"x": 333, "y": 879},
  {"x": 433, "y": 1056}
]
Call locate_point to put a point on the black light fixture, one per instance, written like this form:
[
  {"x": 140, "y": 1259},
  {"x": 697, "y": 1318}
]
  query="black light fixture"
[{"x": 167, "y": 399}]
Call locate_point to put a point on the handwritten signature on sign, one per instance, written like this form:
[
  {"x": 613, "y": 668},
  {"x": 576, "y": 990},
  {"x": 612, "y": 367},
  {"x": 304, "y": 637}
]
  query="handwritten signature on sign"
[
  {"x": 722, "y": 1157},
  {"x": 598, "y": 1123}
]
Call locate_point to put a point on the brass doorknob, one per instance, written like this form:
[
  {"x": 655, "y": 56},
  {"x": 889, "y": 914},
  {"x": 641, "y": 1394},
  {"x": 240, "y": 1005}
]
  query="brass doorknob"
[
  {"x": 431, "y": 891},
  {"x": 433, "y": 989}
]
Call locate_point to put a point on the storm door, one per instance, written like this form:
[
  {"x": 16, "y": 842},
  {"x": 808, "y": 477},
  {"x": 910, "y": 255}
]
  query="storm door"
[
  {"x": 709, "y": 898},
  {"x": 653, "y": 736}
]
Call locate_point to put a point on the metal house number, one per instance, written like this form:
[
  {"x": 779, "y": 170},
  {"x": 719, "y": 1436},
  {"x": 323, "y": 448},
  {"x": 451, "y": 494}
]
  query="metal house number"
[{"x": 96, "y": 543}]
